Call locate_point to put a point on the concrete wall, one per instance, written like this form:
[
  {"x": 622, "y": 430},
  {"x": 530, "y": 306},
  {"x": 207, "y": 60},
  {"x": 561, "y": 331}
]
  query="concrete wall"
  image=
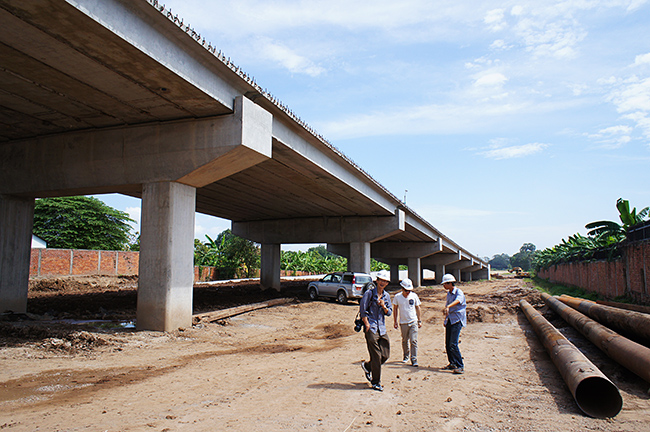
[{"x": 628, "y": 276}]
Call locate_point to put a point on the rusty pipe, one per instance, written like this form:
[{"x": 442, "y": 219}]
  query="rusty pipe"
[
  {"x": 594, "y": 393},
  {"x": 629, "y": 354},
  {"x": 628, "y": 306},
  {"x": 627, "y": 322}
]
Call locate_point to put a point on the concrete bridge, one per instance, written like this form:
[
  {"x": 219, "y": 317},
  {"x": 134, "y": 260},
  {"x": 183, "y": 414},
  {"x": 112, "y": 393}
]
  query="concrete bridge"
[{"x": 120, "y": 96}]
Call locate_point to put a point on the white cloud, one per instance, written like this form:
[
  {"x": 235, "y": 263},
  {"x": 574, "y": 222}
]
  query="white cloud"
[
  {"x": 498, "y": 152},
  {"x": 490, "y": 79},
  {"x": 289, "y": 59},
  {"x": 615, "y": 130},
  {"x": 212, "y": 226},
  {"x": 642, "y": 59},
  {"x": 447, "y": 118},
  {"x": 499, "y": 45},
  {"x": 550, "y": 38},
  {"x": 494, "y": 19},
  {"x": 517, "y": 10},
  {"x": 632, "y": 98},
  {"x": 613, "y": 137},
  {"x": 135, "y": 214}
]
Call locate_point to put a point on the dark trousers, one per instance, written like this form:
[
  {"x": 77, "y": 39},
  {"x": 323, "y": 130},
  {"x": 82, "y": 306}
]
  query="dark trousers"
[
  {"x": 379, "y": 350},
  {"x": 452, "y": 334}
]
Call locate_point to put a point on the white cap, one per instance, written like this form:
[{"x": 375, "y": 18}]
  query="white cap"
[
  {"x": 384, "y": 274},
  {"x": 448, "y": 278},
  {"x": 407, "y": 284}
]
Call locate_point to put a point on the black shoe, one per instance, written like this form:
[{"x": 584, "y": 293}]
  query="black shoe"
[
  {"x": 458, "y": 371},
  {"x": 366, "y": 371},
  {"x": 449, "y": 367},
  {"x": 377, "y": 387}
]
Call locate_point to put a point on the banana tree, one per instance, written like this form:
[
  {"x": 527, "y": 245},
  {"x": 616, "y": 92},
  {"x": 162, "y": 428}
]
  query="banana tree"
[{"x": 613, "y": 232}]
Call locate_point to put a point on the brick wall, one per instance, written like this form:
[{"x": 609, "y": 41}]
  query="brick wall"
[
  {"x": 628, "y": 276},
  {"x": 71, "y": 262}
]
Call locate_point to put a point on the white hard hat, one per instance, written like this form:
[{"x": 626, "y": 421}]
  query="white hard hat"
[
  {"x": 407, "y": 284},
  {"x": 384, "y": 274},
  {"x": 448, "y": 278}
]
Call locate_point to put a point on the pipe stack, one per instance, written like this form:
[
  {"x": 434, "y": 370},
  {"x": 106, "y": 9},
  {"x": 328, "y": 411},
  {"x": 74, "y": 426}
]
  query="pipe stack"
[
  {"x": 627, "y": 353},
  {"x": 627, "y": 322},
  {"x": 594, "y": 393}
]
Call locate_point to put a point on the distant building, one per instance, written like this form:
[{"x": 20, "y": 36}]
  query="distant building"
[{"x": 38, "y": 243}]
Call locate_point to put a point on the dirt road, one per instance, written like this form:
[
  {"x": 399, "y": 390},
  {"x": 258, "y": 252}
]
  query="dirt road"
[{"x": 292, "y": 367}]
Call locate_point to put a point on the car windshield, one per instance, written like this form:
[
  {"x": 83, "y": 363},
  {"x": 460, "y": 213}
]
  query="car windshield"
[
  {"x": 363, "y": 279},
  {"x": 347, "y": 278}
]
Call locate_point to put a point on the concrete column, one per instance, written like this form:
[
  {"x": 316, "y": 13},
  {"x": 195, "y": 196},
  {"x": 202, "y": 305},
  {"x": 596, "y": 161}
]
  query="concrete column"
[
  {"x": 415, "y": 271},
  {"x": 16, "y": 221},
  {"x": 270, "y": 261},
  {"x": 457, "y": 274},
  {"x": 394, "y": 273},
  {"x": 483, "y": 273},
  {"x": 166, "y": 256},
  {"x": 359, "y": 260},
  {"x": 440, "y": 272}
]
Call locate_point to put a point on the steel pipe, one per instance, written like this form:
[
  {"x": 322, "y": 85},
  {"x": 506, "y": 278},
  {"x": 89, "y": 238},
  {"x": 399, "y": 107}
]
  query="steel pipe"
[
  {"x": 629, "y": 354},
  {"x": 594, "y": 393},
  {"x": 628, "y": 306},
  {"x": 627, "y": 322}
]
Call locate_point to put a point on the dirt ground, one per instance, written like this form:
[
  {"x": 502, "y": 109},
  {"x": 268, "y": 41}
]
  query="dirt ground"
[{"x": 285, "y": 368}]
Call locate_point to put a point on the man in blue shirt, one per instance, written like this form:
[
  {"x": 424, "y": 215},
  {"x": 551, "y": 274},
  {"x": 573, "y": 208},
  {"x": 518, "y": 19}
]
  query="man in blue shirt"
[
  {"x": 455, "y": 319},
  {"x": 373, "y": 307}
]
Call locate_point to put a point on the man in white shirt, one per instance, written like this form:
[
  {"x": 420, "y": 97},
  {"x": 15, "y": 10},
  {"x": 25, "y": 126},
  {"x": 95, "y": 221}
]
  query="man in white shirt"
[{"x": 408, "y": 312}]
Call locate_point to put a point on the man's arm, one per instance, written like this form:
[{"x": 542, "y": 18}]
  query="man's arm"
[{"x": 395, "y": 316}]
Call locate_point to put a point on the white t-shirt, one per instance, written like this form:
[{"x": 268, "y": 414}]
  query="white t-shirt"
[{"x": 407, "y": 313}]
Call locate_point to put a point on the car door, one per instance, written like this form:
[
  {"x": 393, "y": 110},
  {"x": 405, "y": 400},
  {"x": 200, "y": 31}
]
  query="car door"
[
  {"x": 331, "y": 285},
  {"x": 324, "y": 285}
]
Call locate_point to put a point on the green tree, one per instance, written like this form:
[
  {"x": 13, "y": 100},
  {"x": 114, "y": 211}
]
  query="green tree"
[
  {"x": 500, "y": 262},
  {"x": 134, "y": 242},
  {"x": 601, "y": 241},
  {"x": 232, "y": 255},
  {"x": 321, "y": 250},
  {"x": 524, "y": 258},
  {"x": 81, "y": 223}
]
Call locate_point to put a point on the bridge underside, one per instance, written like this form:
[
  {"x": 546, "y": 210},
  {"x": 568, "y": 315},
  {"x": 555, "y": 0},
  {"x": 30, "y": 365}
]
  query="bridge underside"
[{"x": 120, "y": 97}]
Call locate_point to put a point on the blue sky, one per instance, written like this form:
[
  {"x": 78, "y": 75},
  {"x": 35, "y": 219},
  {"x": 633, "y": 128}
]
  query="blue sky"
[{"x": 507, "y": 122}]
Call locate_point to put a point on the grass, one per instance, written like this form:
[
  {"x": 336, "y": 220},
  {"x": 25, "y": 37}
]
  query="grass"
[{"x": 557, "y": 290}]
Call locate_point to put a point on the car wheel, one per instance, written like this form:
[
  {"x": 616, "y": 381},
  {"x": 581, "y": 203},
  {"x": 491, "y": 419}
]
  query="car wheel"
[
  {"x": 342, "y": 297},
  {"x": 313, "y": 294}
]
